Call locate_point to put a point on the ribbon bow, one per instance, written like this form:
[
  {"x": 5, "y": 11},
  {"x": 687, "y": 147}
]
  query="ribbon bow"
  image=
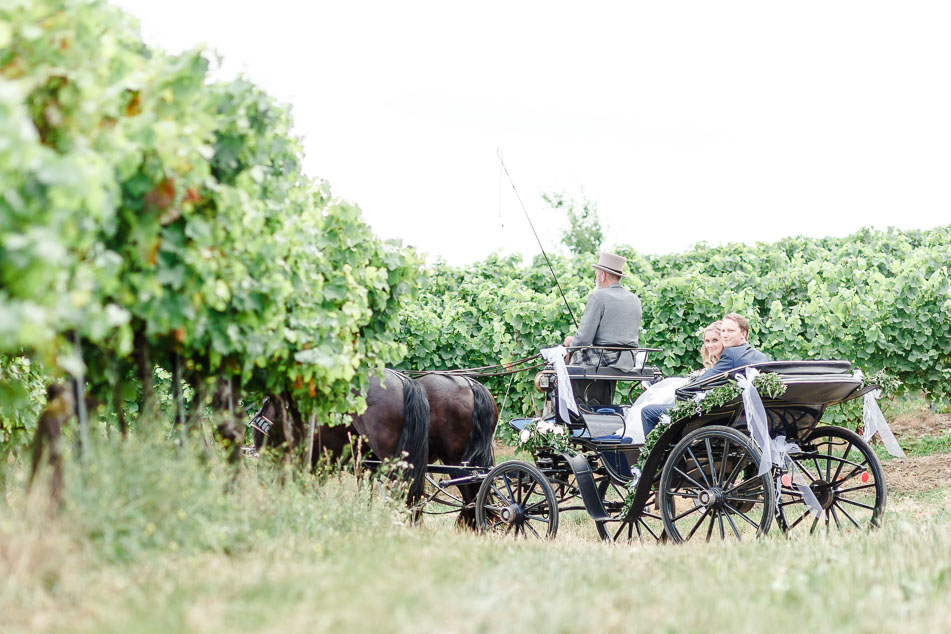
[
  {"x": 874, "y": 421},
  {"x": 566, "y": 397},
  {"x": 756, "y": 421},
  {"x": 781, "y": 450}
]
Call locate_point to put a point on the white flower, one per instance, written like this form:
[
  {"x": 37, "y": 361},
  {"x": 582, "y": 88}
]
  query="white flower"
[
  {"x": 544, "y": 427},
  {"x": 559, "y": 430},
  {"x": 664, "y": 419},
  {"x": 699, "y": 396},
  {"x": 524, "y": 436}
]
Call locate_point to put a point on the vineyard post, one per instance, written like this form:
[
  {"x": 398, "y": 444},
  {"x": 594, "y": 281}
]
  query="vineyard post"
[
  {"x": 177, "y": 390},
  {"x": 309, "y": 440},
  {"x": 233, "y": 432},
  {"x": 79, "y": 391},
  {"x": 118, "y": 374},
  {"x": 199, "y": 387}
]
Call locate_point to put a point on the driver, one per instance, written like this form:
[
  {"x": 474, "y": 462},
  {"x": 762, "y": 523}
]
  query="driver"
[{"x": 612, "y": 317}]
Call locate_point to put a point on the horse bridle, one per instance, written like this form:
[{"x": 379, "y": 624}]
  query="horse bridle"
[
  {"x": 264, "y": 424},
  {"x": 261, "y": 422}
]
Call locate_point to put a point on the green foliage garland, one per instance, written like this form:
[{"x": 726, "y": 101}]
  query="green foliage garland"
[
  {"x": 768, "y": 384},
  {"x": 889, "y": 383}
]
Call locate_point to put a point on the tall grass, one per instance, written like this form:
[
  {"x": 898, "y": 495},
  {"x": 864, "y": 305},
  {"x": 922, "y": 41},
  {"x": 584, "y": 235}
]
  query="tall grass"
[{"x": 155, "y": 539}]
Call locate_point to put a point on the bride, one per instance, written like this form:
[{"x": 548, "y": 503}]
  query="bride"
[{"x": 662, "y": 392}]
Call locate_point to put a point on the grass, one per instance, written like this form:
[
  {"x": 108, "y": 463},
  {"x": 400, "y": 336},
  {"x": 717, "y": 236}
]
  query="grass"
[
  {"x": 923, "y": 446},
  {"x": 150, "y": 542}
]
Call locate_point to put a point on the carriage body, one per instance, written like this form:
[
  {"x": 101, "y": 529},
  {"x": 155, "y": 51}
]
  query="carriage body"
[{"x": 706, "y": 465}]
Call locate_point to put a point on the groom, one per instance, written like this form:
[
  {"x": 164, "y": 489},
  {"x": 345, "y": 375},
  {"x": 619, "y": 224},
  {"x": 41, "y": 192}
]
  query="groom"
[{"x": 737, "y": 352}]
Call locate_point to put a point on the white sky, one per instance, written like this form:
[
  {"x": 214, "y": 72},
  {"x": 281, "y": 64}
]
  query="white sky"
[{"x": 684, "y": 121}]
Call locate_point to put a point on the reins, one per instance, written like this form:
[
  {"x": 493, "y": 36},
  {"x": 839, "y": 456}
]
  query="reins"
[{"x": 505, "y": 369}]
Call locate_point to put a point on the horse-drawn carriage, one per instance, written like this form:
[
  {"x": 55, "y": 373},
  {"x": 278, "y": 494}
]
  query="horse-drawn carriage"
[{"x": 738, "y": 450}]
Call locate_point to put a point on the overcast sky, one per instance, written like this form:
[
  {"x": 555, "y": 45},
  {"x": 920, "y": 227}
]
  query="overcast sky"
[{"x": 684, "y": 121}]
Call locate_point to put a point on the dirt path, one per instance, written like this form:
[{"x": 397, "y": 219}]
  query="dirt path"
[{"x": 912, "y": 475}]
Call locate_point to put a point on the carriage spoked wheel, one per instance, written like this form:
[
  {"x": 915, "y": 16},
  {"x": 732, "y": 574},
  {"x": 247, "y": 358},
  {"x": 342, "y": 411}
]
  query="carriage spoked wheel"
[
  {"x": 516, "y": 499},
  {"x": 647, "y": 527},
  {"x": 709, "y": 488},
  {"x": 846, "y": 477}
]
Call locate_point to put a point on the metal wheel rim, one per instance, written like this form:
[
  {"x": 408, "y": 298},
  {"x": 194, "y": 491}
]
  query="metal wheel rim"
[
  {"x": 846, "y": 476},
  {"x": 701, "y": 493},
  {"x": 517, "y": 500}
]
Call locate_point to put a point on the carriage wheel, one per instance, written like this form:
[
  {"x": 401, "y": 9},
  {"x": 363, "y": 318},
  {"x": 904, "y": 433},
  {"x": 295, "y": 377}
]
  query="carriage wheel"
[
  {"x": 647, "y": 527},
  {"x": 709, "y": 487},
  {"x": 846, "y": 477},
  {"x": 516, "y": 499}
]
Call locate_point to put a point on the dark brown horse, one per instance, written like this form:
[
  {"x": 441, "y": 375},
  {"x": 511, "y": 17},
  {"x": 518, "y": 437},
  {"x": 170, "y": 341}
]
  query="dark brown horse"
[
  {"x": 396, "y": 421},
  {"x": 461, "y": 424},
  {"x": 462, "y": 420}
]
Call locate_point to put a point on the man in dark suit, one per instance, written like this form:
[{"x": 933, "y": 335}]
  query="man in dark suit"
[{"x": 737, "y": 352}]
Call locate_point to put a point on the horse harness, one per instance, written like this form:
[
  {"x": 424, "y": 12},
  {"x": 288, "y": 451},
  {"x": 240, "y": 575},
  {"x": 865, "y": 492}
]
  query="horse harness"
[{"x": 264, "y": 424}]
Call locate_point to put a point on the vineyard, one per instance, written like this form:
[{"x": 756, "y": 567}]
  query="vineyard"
[
  {"x": 881, "y": 299},
  {"x": 155, "y": 218}
]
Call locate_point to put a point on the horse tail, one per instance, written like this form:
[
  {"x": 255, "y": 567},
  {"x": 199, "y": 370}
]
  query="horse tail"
[
  {"x": 484, "y": 418},
  {"x": 414, "y": 439}
]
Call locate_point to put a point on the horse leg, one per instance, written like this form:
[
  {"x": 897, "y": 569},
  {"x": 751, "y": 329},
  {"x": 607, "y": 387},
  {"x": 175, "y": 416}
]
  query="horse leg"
[{"x": 467, "y": 517}]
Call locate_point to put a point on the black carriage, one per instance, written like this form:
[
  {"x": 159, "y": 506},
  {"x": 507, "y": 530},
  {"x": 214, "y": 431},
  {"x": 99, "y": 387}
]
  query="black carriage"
[{"x": 702, "y": 475}]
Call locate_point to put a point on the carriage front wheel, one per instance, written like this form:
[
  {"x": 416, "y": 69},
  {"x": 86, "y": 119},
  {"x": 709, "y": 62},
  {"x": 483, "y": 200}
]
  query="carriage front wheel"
[
  {"x": 709, "y": 487},
  {"x": 846, "y": 477},
  {"x": 516, "y": 499}
]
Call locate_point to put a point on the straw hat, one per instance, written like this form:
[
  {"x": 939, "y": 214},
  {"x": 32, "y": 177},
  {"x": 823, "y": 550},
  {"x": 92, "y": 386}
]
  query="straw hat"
[{"x": 611, "y": 263}]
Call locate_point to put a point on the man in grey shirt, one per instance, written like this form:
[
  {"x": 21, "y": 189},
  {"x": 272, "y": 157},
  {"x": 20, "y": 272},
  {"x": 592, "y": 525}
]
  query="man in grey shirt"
[{"x": 612, "y": 317}]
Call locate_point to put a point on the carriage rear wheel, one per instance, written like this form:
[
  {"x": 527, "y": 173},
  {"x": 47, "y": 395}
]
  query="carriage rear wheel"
[
  {"x": 709, "y": 487},
  {"x": 846, "y": 477},
  {"x": 516, "y": 499}
]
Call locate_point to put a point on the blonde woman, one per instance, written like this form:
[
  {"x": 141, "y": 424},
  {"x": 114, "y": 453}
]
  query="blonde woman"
[
  {"x": 712, "y": 345},
  {"x": 663, "y": 392}
]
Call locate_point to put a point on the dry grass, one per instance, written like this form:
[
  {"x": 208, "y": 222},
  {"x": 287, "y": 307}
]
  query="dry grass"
[{"x": 339, "y": 559}]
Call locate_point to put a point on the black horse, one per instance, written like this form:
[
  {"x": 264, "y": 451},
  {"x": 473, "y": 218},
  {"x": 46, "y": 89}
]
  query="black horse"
[{"x": 396, "y": 421}]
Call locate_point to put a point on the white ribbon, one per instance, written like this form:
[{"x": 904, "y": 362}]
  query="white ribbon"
[
  {"x": 566, "y": 396},
  {"x": 874, "y": 421},
  {"x": 756, "y": 421},
  {"x": 782, "y": 448}
]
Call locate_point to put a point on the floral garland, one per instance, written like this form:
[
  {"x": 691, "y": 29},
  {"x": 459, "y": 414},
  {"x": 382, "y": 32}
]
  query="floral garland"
[
  {"x": 888, "y": 382},
  {"x": 768, "y": 383},
  {"x": 543, "y": 435}
]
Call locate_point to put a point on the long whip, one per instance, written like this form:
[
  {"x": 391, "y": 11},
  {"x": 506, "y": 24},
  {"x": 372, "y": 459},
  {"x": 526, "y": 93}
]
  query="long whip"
[{"x": 547, "y": 261}]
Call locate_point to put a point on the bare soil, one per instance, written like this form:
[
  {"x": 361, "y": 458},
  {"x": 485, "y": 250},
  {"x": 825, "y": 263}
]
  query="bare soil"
[
  {"x": 911, "y": 475},
  {"x": 919, "y": 424}
]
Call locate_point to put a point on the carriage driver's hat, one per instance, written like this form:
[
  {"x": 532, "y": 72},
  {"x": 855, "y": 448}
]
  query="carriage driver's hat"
[{"x": 611, "y": 263}]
